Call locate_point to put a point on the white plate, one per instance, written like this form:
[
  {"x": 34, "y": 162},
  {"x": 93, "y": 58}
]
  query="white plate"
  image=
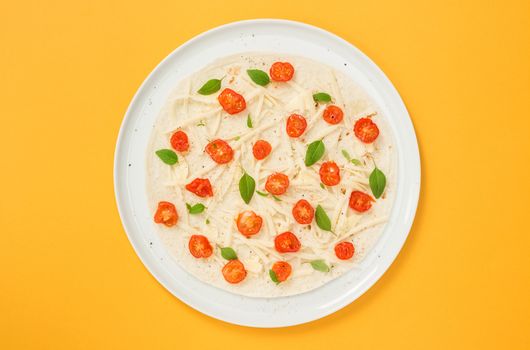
[{"x": 129, "y": 170}]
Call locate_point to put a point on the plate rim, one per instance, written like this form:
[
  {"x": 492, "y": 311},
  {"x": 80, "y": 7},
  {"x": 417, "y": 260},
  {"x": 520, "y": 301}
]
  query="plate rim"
[{"x": 121, "y": 193}]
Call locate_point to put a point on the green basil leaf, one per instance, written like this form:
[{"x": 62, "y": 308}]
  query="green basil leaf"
[
  {"x": 195, "y": 209},
  {"x": 322, "y": 219},
  {"x": 315, "y": 151},
  {"x": 210, "y": 87},
  {"x": 322, "y": 186},
  {"x": 263, "y": 194},
  {"x": 356, "y": 162},
  {"x": 274, "y": 278},
  {"x": 228, "y": 253},
  {"x": 167, "y": 156},
  {"x": 246, "y": 187},
  {"x": 320, "y": 265},
  {"x": 321, "y": 97},
  {"x": 258, "y": 76},
  {"x": 276, "y": 198},
  {"x": 249, "y": 122},
  {"x": 377, "y": 182},
  {"x": 346, "y": 155}
]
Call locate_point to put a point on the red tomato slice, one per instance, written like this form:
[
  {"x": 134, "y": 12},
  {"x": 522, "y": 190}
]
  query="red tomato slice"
[
  {"x": 166, "y": 214},
  {"x": 200, "y": 247},
  {"x": 344, "y": 250},
  {"x": 282, "y": 269},
  {"x": 220, "y": 151},
  {"x": 231, "y": 101},
  {"x": 261, "y": 149},
  {"x": 366, "y": 130},
  {"x": 249, "y": 223},
  {"x": 360, "y": 201},
  {"x": 287, "y": 242},
  {"x": 277, "y": 184},
  {"x": 281, "y": 71},
  {"x": 296, "y": 125},
  {"x": 201, "y": 187},
  {"x": 303, "y": 212},
  {"x": 179, "y": 141},
  {"x": 329, "y": 173},
  {"x": 333, "y": 114},
  {"x": 234, "y": 271}
]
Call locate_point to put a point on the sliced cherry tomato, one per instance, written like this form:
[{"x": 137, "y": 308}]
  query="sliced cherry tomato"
[
  {"x": 231, "y": 101},
  {"x": 261, "y": 149},
  {"x": 360, "y": 201},
  {"x": 249, "y": 223},
  {"x": 287, "y": 242},
  {"x": 200, "y": 247},
  {"x": 201, "y": 187},
  {"x": 344, "y": 250},
  {"x": 329, "y": 173},
  {"x": 296, "y": 125},
  {"x": 281, "y": 71},
  {"x": 277, "y": 184},
  {"x": 366, "y": 130},
  {"x": 234, "y": 271},
  {"x": 166, "y": 214},
  {"x": 333, "y": 114},
  {"x": 179, "y": 141},
  {"x": 282, "y": 269},
  {"x": 303, "y": 212},
  {"x": 220, "y": 151}
]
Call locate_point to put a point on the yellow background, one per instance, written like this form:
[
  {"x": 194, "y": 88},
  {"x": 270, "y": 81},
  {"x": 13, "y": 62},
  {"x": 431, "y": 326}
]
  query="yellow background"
[{"x": 69, "y": 277}]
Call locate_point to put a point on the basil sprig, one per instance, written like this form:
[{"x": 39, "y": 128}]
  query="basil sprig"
[
  {"x": 320, "y": 265},
  {"x": 322, "y": 219},
  {"x": 167, "y": 156},
  {"x": 315, "y": 151},
  {"x": 249, "y": 122},
  {"x": 273, "y": 276},
  {"x": 377, "y": 182},
  {"x": 321, "y": 97},
  {"x": 228, "y": 253},
  {"x": 210, "y": 87},
  {"x": 350, "y": 159},
  {"x": 247, "y": 185},
  {"x": 195, "y": 209},
  {"x": 258, "y": 76}
]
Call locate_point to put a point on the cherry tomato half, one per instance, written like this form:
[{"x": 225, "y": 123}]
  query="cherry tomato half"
[
  {"x": 303, "y": 212},
  {"x": 231, "y": 101},
  {"x": 333, "y": 114},
  {"x": 287, "y": 242},
  {"x": 296, "y": 125},
  {"x": 277, "y": 184},
  {"x": 360, "y": 201},
  {"x": 179, "y": 141},
  {"x": 281, "y": 71},
  {"x": 366, "y": 130},
  {"x": 282, "y": 269},
  {"x": 200, "y": 247},
  {"x": 201, "y": 187},
  {"x": 220, "y": 151},
  {"x": 261, "y": 149},
  {"x": 234, "y": 271},
  {"x": 166, "y": 214},
  {"x": 344, "y": 250},
  {"x": 249, "y": 223},
  {"x": 329, "y": 173}
]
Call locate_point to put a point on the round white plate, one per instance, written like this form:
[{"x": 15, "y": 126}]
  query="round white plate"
[{"x": 264, "y": 35}]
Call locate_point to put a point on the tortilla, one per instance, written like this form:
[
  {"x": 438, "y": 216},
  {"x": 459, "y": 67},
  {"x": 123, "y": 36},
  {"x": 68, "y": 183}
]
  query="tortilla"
[{"x": 267, "y": 109}]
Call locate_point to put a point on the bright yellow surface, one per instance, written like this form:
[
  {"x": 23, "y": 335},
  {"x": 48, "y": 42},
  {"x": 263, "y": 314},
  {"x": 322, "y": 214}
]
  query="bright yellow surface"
[{"x": 70, "y": 279}]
